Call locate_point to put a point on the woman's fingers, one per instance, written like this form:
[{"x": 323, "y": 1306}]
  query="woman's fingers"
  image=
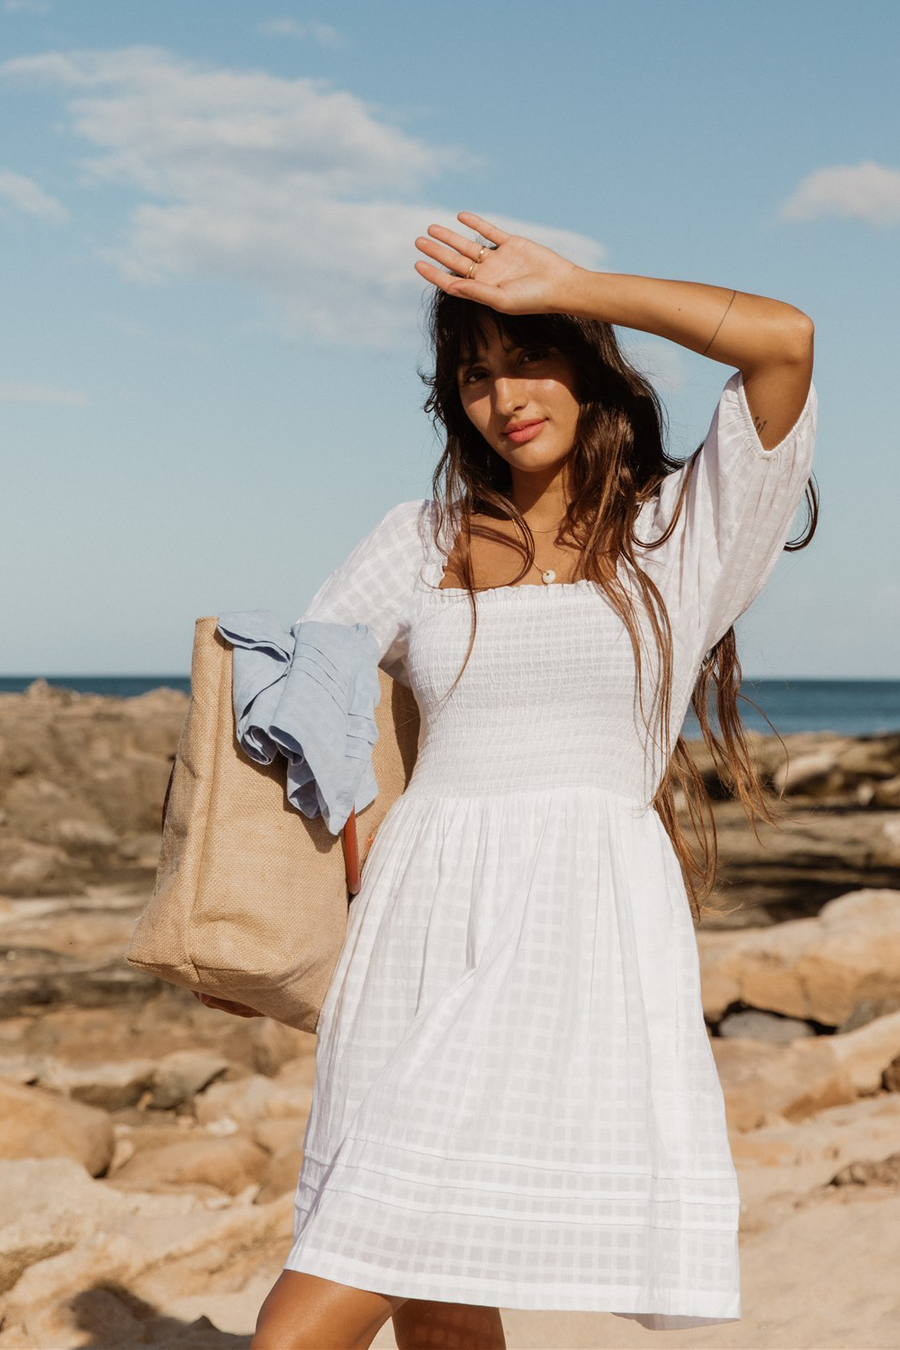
[
  {"x": 225, "y": 1005},
  {"x": 479, "y": 291},
  {"x": 436, "y": 275},
  {"x": 493, "y": 233},
  {"x": 464, "y": 248},
  {"x": 457, "y": 262}
]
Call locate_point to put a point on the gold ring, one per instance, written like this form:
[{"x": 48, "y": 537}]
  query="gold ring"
[
  {"x": 471, "y": 270},
  {"x": 482, "y": 253}
]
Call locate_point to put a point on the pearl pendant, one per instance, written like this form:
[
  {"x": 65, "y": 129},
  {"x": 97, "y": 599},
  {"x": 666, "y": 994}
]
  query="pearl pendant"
[{"x": 548, "y": 576}]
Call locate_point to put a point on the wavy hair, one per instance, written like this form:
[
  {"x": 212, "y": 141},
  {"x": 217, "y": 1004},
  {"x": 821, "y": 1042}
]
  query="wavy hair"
[{"x": 617, "y": 463}]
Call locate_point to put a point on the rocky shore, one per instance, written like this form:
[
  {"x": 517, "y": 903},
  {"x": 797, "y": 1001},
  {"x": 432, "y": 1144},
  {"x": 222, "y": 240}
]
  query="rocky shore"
[{"x": 149, "y": 1147}]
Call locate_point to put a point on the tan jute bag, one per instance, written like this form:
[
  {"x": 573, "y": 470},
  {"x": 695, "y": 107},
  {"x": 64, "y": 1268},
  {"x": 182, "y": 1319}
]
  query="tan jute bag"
[{"x": 251, "y": 896}]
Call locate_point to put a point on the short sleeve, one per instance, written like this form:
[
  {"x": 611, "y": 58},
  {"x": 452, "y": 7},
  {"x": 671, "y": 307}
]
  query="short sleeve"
[
  {"x": 375, "y": 584},
  {"x": 738, "y": 509}
]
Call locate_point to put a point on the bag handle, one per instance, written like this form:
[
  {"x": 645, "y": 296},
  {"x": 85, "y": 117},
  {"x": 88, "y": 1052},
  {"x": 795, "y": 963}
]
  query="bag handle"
[{"x": 350, "y": 842}]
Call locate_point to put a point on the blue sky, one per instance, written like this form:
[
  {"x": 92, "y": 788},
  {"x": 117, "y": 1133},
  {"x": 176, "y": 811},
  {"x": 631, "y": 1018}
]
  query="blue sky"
[{"x": 208, "y": 387}]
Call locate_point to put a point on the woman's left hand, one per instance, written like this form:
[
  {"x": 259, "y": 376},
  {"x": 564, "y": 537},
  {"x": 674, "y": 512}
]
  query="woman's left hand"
[{"x": 517, "y": 276}]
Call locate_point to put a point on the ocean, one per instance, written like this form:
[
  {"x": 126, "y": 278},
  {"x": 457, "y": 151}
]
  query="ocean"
[{"x": 848, "y": 707}]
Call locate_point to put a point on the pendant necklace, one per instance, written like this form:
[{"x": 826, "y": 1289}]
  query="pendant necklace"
[{"x": 547, "y": 574}]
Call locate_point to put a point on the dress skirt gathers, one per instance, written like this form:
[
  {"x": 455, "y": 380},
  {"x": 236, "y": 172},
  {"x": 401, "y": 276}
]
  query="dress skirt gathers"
[{"x": 516, "y": 1102}]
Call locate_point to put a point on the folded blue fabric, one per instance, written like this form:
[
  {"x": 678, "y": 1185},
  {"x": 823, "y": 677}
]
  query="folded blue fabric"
[{"x": 309, "y": 693}]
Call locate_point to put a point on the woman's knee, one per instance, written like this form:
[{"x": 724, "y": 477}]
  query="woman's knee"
[{"x": 305, "y": 1312}]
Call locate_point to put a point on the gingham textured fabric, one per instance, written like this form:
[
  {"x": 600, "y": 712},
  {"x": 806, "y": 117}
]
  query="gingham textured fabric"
[{"x": 516, "y": 1102}]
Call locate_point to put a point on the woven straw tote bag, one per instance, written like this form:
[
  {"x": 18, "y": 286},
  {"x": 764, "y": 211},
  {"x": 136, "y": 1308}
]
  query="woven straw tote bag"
[{"x": 251, "y": 896}]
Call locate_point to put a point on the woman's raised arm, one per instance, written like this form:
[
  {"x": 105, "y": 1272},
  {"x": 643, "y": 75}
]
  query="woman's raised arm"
[{"x": 769, "y": 341}]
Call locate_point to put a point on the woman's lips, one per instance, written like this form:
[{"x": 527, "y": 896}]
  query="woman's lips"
[{"x": 526, "y": 432}]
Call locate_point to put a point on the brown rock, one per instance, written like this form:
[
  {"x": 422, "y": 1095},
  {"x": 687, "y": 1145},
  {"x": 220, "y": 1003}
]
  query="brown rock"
[
  {"x": 183, "y": 1073},
  {"x": 280, "y": 1135},
  {"x": 109, "y": 1086},
  {"x": 37, "y": 1124},
  {"x": 814, "y": 775},
  {"x": 867, "y": 759},
  {"x": 49, "y": 1206},
  {"x": 821, "y": 968},
  {"x": 887, "y": 849},
  {"x": 760, "y": 1080},
  {"x": 255, "y": 1098},
  {"x": 26, "y": 867},
  {"x": 867, "y": 1052},
  {"x": 280, "y": 1176},
  {"x": 275, "y": 1044},
  {"x": 229, "y": 1165},
  {"x": 887, "y": 794},
  {"x": 885, "y": 1172},
  {"x": 890, "y": 1079}
]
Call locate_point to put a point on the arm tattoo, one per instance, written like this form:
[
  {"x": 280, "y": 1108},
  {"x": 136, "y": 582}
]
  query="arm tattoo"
[{"x": 721, "y": 321}]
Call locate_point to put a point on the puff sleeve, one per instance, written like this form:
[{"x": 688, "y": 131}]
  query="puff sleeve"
[
  {"x": 375, "y": 583},
  {"x": 736, "y": 517},
  {"x": 310, "y": 693}
]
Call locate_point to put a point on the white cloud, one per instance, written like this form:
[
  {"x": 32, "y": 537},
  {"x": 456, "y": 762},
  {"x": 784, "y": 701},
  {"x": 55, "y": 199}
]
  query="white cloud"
[
  {"x": 323, "y": 33},
  {"x": 306, "y": 196},
  {"x": 40, "y": 393},
  {"x": 865, "y": 191},
  {"x": 25, "y": 195}
]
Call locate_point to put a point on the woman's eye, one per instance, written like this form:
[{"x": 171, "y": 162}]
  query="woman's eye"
[
  {"x": 472, "y": 375},
  {"x": 537, "y": 352}
]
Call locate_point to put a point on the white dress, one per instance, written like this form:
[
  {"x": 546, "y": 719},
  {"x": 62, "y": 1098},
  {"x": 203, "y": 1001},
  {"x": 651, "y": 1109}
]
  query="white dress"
[{"x": 516, "y": 1103}]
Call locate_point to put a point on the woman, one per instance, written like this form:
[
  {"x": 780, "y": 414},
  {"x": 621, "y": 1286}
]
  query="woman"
[{"x": 516, "y": 1103}]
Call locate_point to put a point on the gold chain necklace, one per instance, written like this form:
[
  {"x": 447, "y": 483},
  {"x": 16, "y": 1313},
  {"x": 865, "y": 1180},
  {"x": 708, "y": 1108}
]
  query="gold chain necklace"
[{"x": 548, "y": 575}]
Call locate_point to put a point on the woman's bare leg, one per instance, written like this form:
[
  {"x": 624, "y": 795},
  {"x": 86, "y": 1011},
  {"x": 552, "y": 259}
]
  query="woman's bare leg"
[
  {"x": 305, "y": 1312},
  {"x": 422, "y": 1324}
]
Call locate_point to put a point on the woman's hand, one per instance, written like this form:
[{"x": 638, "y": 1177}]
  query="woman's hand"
[
  {"x": 517, "y": 276},
  {"x": 224, "y": 1005}
]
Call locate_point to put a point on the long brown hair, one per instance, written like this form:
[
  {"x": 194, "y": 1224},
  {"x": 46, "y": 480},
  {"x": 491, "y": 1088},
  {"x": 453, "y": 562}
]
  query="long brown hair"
[{"x": 617, "y": 462}]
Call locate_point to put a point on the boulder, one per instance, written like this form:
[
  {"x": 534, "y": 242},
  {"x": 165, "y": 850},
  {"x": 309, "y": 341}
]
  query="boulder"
[
  {"x": 258, "y": 1098},
  {"x": 868, "y": 1052},
  {"x": 822, "y": 968},
  {"x": 887, "y": 793},
  {"x": 760, "y": 1080},
  {"x": 26, "y": 868},
  {"x": 887, "y": 848},
  {"x": 866, "y": 758},
  {"x": 275, "y": 1044},
  {"x": 109, "y": 1086},
  {"x": 230, "y": 1165},
  {"x": 49, "y": 1206},
  {"x": 869, "y": 1173},
  {"x": 183, "y": 1073},
  {"x": 37, "y": 1124},
  {"x": 794, "y": 1157},
  {"x": 814, "y": 775}
]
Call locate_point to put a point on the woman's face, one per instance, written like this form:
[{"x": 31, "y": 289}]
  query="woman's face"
[{"x": 522, "y": 400}]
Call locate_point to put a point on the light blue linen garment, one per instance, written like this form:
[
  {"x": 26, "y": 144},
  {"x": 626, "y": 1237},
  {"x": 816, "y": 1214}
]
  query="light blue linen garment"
[{"x": 309, "y": 693}]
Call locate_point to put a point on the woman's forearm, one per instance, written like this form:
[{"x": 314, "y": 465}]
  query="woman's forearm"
[{"x": 737, "y": 328}]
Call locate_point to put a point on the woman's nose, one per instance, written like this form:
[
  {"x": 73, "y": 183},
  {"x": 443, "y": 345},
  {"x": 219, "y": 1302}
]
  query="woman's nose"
[{"x": 508, "y": 395}]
